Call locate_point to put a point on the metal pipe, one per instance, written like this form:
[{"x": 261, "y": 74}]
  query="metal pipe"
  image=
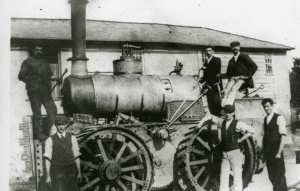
[{"x": 78, "y": 28}]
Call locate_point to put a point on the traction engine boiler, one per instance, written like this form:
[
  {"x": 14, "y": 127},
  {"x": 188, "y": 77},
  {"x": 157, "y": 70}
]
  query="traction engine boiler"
[{"x": 137, "y": 132}]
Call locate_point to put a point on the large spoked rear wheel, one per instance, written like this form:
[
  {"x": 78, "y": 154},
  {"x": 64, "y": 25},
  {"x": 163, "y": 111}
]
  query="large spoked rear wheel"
[
  {"x": 199, "y": 160},
  {"x": 115, "y": 159}
]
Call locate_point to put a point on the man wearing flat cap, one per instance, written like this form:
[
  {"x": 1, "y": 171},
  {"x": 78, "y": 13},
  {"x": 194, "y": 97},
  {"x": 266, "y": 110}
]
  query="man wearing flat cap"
[
  {"x": 62, "y": 159},
  {"x": 240, "y": 70},
  {"x": 232, "y": 155}
]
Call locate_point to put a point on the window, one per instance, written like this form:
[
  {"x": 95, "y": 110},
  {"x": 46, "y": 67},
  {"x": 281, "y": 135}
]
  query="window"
[{"x": 268, "y": 61}]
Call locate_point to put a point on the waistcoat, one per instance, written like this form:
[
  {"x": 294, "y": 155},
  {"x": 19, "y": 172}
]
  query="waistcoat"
[
  {"x": 62, "y": 153},
  {"x": 230, "y": 136},
  {"x": 272, "y": 129}
]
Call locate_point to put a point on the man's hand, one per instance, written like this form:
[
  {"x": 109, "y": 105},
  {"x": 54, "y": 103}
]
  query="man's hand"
[
  {"x": 278, "y": 155},
  {"x": 79, "y": 178},
  {"x": 240, "y": 140},
  {"x": 48, "y": 181},
  {"x": 203, "y": 68}
]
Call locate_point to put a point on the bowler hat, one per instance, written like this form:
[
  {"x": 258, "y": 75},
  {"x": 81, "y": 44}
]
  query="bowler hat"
[{"x": 234, "y": 43}]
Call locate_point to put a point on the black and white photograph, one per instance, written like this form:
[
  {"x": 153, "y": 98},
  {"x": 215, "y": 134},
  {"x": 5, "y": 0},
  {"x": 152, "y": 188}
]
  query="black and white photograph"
[{"x": 151, "y": 95}]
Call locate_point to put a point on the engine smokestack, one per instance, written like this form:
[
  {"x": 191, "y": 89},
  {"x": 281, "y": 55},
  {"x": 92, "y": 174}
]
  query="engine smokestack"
[{"x": 78, "y": 28}]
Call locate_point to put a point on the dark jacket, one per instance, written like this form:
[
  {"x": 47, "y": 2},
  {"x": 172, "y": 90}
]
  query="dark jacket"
[
  {"x": 36, "y": 73},
  {"x": 244, "y": 66},
  {"x": 212, "y": 69}
]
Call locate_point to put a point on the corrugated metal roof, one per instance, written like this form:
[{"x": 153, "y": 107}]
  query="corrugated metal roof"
[{"x": 60, "y": 29}]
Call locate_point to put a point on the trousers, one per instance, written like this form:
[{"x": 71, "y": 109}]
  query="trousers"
[
  {"x": 230, "y": 91},
  {"x": 276, "y": 171},
  {"x": 37, "y": 98},
  {"x": 232, "y": 160},
  {"x": 214, "y": 100},
  {"x": 63, "y": 178}
]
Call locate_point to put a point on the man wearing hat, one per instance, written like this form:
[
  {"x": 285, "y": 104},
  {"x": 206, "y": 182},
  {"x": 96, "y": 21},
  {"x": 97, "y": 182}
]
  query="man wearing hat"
[
  {"x": 62, "y": 159},
  {"x": 36, "y": 73},
  {"x": 233, "y": 157},
  {"x": 240, "y": 70},
  {"x": 211, "y": 70}
]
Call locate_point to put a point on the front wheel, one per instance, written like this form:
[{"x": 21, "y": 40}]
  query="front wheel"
[{"x": 115, "y": 159}]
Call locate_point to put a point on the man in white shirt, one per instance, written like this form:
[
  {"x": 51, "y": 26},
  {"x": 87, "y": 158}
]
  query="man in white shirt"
[
  {"x": 62, "y": 159},
  {"x": 230, "y": 135},
  {"x": 233, "y": 158},
  {"x": 273, "y": 142}
]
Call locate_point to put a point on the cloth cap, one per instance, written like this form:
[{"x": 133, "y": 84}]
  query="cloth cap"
[
  {"x": 229, "y": 108},
  {"x": 60, "y": 120},
  {"x": 234, "y": 43}
]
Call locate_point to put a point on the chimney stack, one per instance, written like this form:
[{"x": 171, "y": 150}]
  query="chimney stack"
[{"x": 78, "y": 28}]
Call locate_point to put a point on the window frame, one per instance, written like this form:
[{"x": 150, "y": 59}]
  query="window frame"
[{"x": 269, "y": 63}]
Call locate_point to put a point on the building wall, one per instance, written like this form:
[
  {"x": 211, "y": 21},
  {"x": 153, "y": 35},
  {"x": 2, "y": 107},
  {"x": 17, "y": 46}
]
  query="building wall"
[
  {"x": 156, "y": 62},
  {"x": 276, "y": 85}
]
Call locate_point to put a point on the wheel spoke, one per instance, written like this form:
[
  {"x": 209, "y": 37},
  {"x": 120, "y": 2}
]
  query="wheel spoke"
[
  {"x": 131, "y": 179},
  {"x": 102, "y": 149},
  {"x": 90, "y": 152},
  {"x": 111, "y": 145},
  {"x": 199, "y": 173},
  {"x": 203, "y": 143},
  {"x": 121, "y": 152},
  {"x": 133, "y": 185},
  {"x": 122, "y": 185},
  {"x": 107, "y": 187},
  {"x": 198, "y": 152},
  {"x": 205, "y": 182},
  {"x": 131, "y": 168},
  {"x": 86, "y": 174},
  {"x": 89, "y": 184},
  {"x": 199, "y": 162},
  {"x": 132, "y": 155},
  {"x": 97, "y": 188},
  {"x": 89, "y": 164}
]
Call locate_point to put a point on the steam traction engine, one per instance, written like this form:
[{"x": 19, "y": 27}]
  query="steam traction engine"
[
  {"x": 132, "y": 135},
  {"x": 137, "y": 132}
]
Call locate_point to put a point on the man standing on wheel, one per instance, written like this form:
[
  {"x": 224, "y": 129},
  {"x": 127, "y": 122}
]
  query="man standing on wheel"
[
  {"x": 211, "y": 70},
  {"x": 273, "y": 142}
]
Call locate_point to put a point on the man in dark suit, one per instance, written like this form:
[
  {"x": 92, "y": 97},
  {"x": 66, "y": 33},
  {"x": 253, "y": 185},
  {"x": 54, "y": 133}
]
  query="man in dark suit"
[
  {"x": 240, "y": 70},
  {"x": 211, "y": 70}
]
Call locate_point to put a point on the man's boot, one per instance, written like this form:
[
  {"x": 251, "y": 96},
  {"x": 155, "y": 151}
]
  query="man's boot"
[{"x": 38, "y": 134}]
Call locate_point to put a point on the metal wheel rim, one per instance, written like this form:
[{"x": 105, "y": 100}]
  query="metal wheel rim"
[{"x": 108, "y": 147}]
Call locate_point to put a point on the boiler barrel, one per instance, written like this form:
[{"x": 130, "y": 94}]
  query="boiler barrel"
[{"x": 103, "y": 95}]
